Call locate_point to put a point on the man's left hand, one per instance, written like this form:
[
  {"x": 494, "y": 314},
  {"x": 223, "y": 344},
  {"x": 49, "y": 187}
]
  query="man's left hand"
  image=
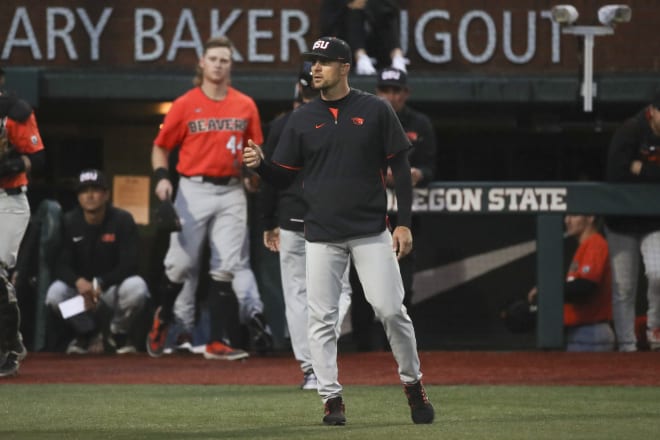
[{"x": 402, "y": 241}]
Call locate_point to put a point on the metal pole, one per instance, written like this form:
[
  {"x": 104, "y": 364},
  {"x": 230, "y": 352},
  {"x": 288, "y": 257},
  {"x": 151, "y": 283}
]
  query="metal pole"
[{"x": 588, "y": 77}]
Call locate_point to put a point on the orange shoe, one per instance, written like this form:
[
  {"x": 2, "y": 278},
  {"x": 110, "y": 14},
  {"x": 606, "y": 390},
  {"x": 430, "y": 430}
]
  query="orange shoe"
[
  {"x": 157, "y": 336},
  {"x": 218, "y": 350}
]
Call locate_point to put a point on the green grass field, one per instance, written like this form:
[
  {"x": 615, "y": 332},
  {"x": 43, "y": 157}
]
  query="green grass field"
[{"x": 278, "y": 412}]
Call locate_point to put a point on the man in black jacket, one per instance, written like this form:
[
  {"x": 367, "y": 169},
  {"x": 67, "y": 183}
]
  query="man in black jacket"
[
  {"x": 282, "y": 217},
  {"x": 99, "y": 262},
  {"x": 634, "y": 157}
]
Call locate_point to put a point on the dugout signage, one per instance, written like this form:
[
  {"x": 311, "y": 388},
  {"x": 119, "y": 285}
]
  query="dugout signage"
[
  {"x": 490, "y": 37},
  {"x": 480, "y": 199},
  {"x": 534, "y": 197}
]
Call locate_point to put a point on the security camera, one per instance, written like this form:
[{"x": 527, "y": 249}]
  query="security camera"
[
  {"x": 610, "y": 14},
  {"x": 564, "y": 14}
]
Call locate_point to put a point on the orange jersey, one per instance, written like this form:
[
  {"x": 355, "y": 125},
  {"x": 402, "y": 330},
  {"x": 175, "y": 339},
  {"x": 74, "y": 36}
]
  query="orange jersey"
[
  {"x": 25, "y": 139},
  {"x": 211, "y": 133},
  {"x": 591, "y": 262}
]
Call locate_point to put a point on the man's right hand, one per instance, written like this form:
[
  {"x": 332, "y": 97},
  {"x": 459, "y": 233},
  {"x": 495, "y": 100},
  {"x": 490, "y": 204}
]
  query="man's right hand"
[
  {"x": 164, "y": 189},
  {"x": 272, "y": 239},
  {"x": 90, "y": 295},
  {"x": 252, "y": 155}
]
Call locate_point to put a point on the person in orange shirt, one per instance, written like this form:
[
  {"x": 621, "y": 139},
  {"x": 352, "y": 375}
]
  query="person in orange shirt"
[
  {"x": 21, "y": 151},
  {"x": 588, "y": 289},
  {"x": 210, "y": 123}
]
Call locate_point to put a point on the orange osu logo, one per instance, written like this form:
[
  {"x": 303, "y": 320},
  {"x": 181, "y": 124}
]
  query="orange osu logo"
[
  {"x": 358, "y": 121},
  {"x": 108, "y": 238}
]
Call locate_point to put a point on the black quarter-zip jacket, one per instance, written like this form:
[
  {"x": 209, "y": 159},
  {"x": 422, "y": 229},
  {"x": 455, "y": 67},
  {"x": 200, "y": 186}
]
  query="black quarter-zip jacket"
[
  {"x": 343, "y": 148},
  {"x": 108, "y": 251}
]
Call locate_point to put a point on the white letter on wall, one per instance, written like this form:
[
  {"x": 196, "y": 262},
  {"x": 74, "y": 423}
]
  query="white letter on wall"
[
  {"x": 153, "y": 34},
  {"x": 462, "y": 37},
  {"x": 21, "y": 18}
]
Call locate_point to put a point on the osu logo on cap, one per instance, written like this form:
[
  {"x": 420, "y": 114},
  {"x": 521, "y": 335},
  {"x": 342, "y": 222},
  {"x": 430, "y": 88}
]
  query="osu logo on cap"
[
  {"x": 391, "y": 74},
  {"x": 88, "y": 176},
  {"x": 320, "y": 44}
]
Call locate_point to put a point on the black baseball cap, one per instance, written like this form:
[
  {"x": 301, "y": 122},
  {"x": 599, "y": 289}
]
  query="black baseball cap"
[
  {"x": 391, "y": 77},
  {"x": 91, "y": 177},
  {"x": 330, "y": 48},
  {"x": 305, "y": 75}
]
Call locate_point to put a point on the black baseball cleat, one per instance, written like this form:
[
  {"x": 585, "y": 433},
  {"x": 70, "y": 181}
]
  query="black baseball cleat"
[
  {"x": 334, "y": 412},
  {"x": 421, "y": 409},
  {"x": 9, "y": 365},
  {"x": 19, "y": 347},
  {"x": 262, "y": 340}
]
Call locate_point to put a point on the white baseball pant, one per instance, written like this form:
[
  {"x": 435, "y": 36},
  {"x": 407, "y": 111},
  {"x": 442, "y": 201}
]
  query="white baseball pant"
[
  {"x": 625, "y": 259},
  {"x": 218, "y": 212},
  {"x": 14, "y": 218},
  {"x": 294, "y": 287}
]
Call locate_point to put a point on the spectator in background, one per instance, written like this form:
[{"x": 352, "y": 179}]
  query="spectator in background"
[
  {"x": 392, "y": 86},
  {"x": 366, "y": 24},
  {"x": 99, "y": 261},
  {"x": 283, "y": 219},
  {"x": 587, "y": 291},
  {"x": 634, "y": 157}
]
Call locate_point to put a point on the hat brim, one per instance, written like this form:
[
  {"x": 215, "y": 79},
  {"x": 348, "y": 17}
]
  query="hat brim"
[
  {"x": 309, "y": 56},
  {"x": 392, "y": 84}
]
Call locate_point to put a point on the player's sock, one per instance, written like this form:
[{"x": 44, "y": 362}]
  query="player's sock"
[
  {"x": 223, "y": 308},
  {"x": 169, "y": 292}
]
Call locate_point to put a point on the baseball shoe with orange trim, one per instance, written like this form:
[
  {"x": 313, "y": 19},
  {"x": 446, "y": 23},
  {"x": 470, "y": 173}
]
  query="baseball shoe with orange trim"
[{"x": 157, "y": 336}]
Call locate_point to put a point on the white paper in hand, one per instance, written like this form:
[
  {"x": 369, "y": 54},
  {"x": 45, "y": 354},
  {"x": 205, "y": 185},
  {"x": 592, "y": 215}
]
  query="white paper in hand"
[{"x": 72, "y": 306}]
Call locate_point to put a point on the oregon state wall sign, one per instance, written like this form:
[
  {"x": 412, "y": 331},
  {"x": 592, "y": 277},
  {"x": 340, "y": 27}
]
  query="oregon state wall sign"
[
  {"x": 534, "y": 197},
  {"x": 494, "y": 199}
]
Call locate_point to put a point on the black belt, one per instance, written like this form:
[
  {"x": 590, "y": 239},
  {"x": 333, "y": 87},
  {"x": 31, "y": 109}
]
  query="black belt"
[
  {"x": 13, "y": 191},
  {"x": 214, "y": 180}
]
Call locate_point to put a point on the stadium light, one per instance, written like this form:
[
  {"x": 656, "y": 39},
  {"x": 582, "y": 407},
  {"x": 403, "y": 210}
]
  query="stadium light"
[
  {"x": 611, "y": 14},
  {"x": 565, "y": 14},
  {"x": 608, "y": 15}
]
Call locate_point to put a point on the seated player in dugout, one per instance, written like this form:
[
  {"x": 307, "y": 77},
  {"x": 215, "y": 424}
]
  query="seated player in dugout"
[
  {"x": 587, "y": 290},
  {"x": 99, "y": 261}
]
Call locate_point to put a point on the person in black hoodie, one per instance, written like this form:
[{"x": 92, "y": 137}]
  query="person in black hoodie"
[
  {"x": 99, "y": 261},
  {"x": 634, "y": 157},
  {"x": 282, "y": 214}
]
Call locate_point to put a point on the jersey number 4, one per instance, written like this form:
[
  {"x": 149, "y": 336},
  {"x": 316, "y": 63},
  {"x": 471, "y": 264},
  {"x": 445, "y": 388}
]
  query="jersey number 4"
[{"x": 233, "y": 145}]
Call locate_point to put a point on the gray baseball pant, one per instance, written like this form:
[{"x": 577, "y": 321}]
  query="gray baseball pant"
[{"x": 378, "y": 269}]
